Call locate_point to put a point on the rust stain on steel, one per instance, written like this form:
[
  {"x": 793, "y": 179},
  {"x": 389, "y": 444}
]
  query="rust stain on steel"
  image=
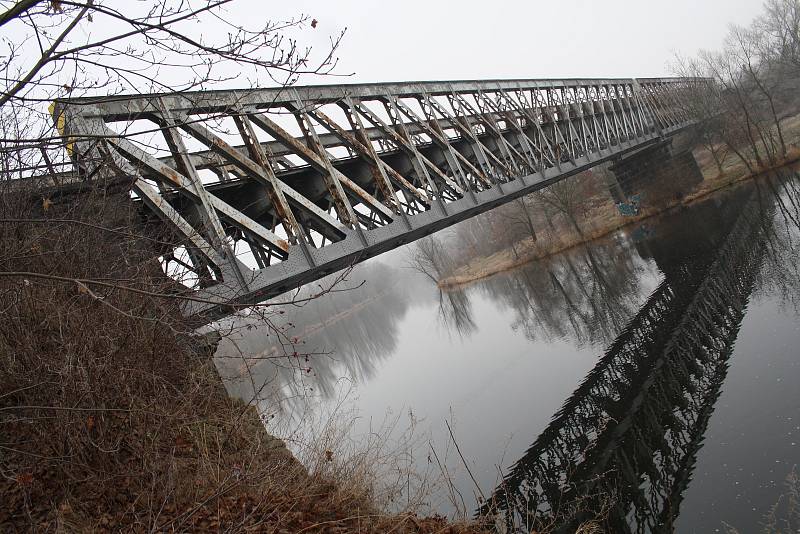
[
  {"x": 172, "y": 175},
  {"x": 363, "y": 149},
  {"x": 315, "y": 160}
]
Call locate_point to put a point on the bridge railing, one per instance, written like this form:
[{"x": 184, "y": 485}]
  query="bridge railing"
[{"x": 266, "y": 189}]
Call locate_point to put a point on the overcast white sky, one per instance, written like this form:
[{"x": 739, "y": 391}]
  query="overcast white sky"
[
  {"x": 406, "y": 40},
  {"x": 469, "y": 39}
]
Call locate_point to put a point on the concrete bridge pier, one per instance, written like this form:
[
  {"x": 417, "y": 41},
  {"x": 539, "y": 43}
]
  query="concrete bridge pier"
[{"x": 657, "y": 174}]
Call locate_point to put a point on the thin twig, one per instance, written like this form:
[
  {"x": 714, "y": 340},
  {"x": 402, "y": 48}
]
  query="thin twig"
[{"x": 458, "y": 449}]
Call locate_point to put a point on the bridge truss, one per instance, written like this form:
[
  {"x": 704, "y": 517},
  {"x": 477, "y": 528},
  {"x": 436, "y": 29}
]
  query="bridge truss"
[{"x": 268, "y": 189}]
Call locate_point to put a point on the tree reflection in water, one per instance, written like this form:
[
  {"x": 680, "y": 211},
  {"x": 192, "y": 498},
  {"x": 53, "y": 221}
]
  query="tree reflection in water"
[
  {"x": 585, "y": 294},
  {"x": 455, "y": 312},
  {"x": 622, "y": 448},
  {"x": 308, "y": 350}
]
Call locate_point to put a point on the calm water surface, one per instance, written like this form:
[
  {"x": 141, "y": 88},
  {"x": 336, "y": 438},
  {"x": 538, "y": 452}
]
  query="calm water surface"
[{"x": 651, "y": 377}]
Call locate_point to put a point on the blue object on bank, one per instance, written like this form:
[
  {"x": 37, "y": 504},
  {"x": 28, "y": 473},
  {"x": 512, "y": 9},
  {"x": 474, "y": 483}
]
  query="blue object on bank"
[{"x": 630, "y": 208}]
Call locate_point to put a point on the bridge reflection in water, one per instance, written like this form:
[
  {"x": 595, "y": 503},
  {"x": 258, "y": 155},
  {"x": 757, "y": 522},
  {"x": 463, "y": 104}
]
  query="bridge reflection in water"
[{"x": 623, "y": 446}]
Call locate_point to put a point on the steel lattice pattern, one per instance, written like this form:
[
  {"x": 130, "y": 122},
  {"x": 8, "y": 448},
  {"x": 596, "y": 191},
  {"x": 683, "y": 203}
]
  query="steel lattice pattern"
[{"x": 269, "y": 189}]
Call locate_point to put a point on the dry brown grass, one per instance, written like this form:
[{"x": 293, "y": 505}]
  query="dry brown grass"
[{"x": 112, "y": 416}]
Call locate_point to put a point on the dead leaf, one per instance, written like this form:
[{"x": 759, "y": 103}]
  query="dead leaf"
[
  {"x": 313, "y": 23},
  {"x": 182, "y": 445}
]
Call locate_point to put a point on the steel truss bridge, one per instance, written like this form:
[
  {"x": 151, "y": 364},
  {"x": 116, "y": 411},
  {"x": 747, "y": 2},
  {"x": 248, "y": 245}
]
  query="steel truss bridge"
[
  {"x": 268, "y": 189},
  {"x": 624, "y": 445}
]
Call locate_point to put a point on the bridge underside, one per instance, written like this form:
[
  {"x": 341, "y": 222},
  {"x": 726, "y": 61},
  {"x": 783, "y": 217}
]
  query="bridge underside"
[{"x": 266, "y": 190}]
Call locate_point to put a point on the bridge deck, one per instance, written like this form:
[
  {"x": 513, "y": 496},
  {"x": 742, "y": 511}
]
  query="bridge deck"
[{"x": 268, "y": 189}]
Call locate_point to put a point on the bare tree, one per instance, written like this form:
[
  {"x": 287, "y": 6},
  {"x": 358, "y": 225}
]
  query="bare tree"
[
  {"x": 756, "y": 79},
  {"x": 77, "y": 48},
  {"x": 750, "y": 47},
  {"x": 430, "y": 258},
  {"x": 565, "y": 198},
  {"x": 517, "y": 222},
  {"x": 780, "y": 24},
  {"x": 703, "y": 102}
]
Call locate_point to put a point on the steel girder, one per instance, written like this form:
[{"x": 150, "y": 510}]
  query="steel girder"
[{"x": 269, "y": 189}]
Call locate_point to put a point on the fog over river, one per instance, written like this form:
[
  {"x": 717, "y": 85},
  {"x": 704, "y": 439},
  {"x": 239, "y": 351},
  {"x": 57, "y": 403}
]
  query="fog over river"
[{"x": 650, "y": 377}]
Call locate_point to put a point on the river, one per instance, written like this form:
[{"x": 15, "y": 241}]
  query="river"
[{"x": 649, "y": 379}]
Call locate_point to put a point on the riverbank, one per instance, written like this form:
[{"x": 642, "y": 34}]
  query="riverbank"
[
  {"x": 113, "y": 416},
  {"x": 602, "y": 218},
  {"x": 220, "y": 472}
]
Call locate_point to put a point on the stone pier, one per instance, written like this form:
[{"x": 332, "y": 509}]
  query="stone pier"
[{"x": 657, "y": 174}]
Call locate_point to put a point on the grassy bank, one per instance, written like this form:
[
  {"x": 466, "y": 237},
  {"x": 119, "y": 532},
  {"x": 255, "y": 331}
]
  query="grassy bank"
[{"x": 602, "y": 218}]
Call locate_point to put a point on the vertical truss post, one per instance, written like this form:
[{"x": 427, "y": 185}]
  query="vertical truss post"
[
  {"x": 283, "y": 210},
  {"x": 378, "y": 171},
  {"x": 208, "y": 214},
  {"x": 355, "y": 144},
  {"x": 343, "y": 207},
  {"x": 510, "y": 155},
  {"x": 527, "y": 109},
  {"x": 456, "y": 156},
  {"x": 503, "y": 108},
  {"x": 417, "y": 160},
  {"x": 449, "y": 153},
  {"x": 464, "y": 124}
]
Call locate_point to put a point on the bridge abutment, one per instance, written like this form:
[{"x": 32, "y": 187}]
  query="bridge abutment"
[{"x": 657, "y": 174}]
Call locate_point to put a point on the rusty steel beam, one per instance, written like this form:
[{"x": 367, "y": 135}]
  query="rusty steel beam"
[{"x": 274, "y": 177}]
